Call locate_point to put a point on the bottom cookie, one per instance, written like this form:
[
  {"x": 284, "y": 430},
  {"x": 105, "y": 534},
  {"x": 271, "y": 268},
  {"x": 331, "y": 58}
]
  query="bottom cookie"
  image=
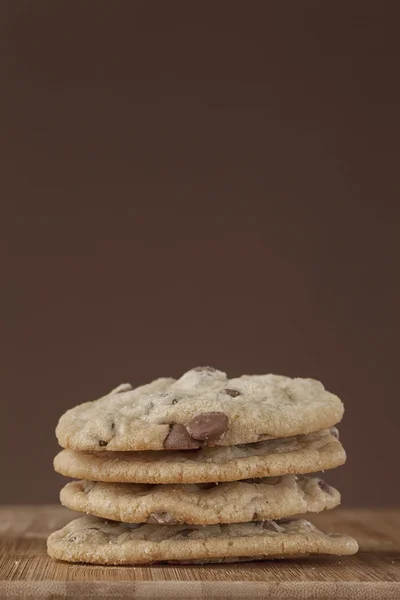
[{"x": 93, "y": 540}]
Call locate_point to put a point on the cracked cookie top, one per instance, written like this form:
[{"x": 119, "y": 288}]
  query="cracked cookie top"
[{"x": 202, "y": 408}]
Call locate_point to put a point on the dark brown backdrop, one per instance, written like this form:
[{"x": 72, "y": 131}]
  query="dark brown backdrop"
[{"x": 198, "y": 183}]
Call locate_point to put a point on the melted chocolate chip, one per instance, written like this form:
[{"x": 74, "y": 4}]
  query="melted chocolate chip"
[
  {"x": 112, "y": 426},
  {"x": 179, "y": 439},
  {"x": 324, "y": 486},
  {"x": 174, "y": 401},
  {"x": 102, "y": 443},
  {"x": 232, "y": 393},
  {"x": 267, "y": 480},
  {"x": 208, "y": 426}
]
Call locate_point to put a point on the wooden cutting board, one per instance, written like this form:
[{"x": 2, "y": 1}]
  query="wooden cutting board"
[{"x": 27, "y": 572}]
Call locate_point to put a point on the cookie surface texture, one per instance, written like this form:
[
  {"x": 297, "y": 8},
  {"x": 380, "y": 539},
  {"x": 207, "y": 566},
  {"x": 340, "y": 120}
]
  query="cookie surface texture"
[
  {"x": 93, "y": 540},
  {"x": 202, "y": 408},
  {"x": 296, "y": 455},
  {"x": 207, "y": 503}
]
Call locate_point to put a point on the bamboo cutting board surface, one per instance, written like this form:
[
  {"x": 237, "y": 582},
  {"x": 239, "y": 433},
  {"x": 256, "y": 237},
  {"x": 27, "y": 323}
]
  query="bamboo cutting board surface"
[{"x": 27, "y": 572}]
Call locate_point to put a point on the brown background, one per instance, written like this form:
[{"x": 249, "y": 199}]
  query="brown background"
[{"x": 199, "y": 183}]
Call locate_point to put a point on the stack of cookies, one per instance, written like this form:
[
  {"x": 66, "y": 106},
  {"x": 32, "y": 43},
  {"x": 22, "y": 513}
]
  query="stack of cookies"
[{"x": 200, "y": 469}]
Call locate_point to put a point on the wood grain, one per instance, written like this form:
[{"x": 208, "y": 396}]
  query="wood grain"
[{"x": 27, "y": 572}]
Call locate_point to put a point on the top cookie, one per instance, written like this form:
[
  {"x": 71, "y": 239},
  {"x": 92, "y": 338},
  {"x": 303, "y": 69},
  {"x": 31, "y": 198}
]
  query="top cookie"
[{"x": 201, "y": 408}]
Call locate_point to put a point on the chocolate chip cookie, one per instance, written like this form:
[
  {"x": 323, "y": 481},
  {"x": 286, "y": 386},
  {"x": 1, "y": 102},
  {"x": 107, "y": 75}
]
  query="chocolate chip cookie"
[
  {"x": 202, "y": 408},
  {"x": 201, "y": 503},
  {"x": 299, "y": 454},
  {"x": 93, "y": 540}
]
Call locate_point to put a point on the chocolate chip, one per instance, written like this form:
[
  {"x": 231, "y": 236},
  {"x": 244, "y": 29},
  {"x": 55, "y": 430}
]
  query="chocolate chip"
[
  {"x": 232, "y": 393},
  {"x": 205, "y": 369},
  {"x": 179, "y": 439},
  {"x": 208, "y": 426},
  {"x": 324, "y": 486},
  {"x": 102, "y": 443},
  {"x": 112, "y": 426},
  {"x": 174, "y": 401},
  {"x": 71, "y": 538},
  {"x": 266, "y": 480}
]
